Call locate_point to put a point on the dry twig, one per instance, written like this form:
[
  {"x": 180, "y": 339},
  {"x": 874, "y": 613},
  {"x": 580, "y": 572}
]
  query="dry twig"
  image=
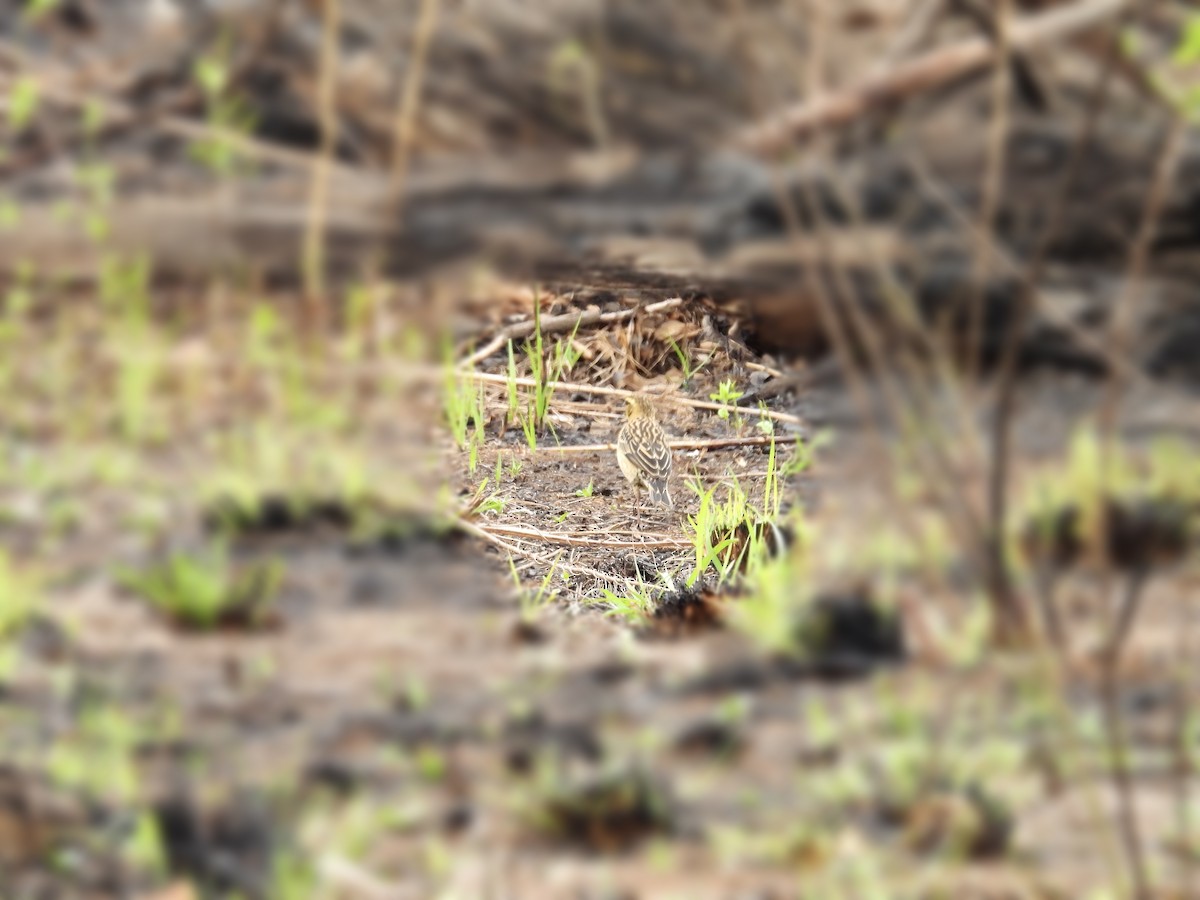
[
  {"x": 932, "y": 70},
  {"x": 600, "y": 390},
  {"x": 709, "y": 444},
  {"x": 560, "y": 324},
  {"x": 551, "y": 537}
]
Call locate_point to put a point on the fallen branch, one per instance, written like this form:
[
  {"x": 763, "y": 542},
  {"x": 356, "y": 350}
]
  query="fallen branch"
[
  {"x": 551, "y": 537},
  {"x": 486, "y": 535},
  {"x": 559, "y": 324},
  {"x": 489, "y": 378},
  {"x": 932, "y": 70}
]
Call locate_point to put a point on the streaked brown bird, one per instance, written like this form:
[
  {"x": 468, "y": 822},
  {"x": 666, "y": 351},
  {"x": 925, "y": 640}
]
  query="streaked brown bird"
[{"x": 642, "y": 452}]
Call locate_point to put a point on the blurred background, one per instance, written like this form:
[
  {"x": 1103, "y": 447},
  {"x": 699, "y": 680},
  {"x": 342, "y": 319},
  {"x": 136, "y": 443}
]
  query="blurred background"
[{"x": 318, "y": 575}]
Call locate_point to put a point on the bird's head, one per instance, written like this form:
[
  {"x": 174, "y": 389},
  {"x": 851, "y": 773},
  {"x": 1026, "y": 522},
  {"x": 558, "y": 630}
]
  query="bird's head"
[{"x": 638, "y": 407}]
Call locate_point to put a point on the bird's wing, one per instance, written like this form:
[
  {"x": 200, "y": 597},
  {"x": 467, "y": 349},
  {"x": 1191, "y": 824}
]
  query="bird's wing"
[{"x": 645, "y": 444}]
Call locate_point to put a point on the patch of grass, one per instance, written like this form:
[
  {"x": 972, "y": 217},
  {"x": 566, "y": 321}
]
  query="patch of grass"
[
  {"x": 840, "y": 633},
  {"x": 767, "y": 614},
  {"x": 529, "y": 429},
  {"x": 609, "y": 812},
  {"x": 361, "y": 303},
  {"x": 20, "y": 597},
  {"x": 732, "y": 535},
  {"x": 125, "y": 288},
  {"x": 713, "y": 530},
  {"x": 634, "y": 606},
  {"x": 543, "y": 370},
  {"x": 251, "y": 462},
  {"x": 1173, "y": 470},
  {"x": 227, "y": 114},
  {"x": 566, "y": 355},
  {"x": 1095, "y": 509},
  {"x": 803, "y": 845},
  {"x": 483, "y": 501},
  {"x": 143, "y": 848},
  {"x": 293, "y": 877},
  {"x": 24, "y": 98},
  {"x": 206, "y": 590},
  {"x": 270, "y": 460},
  {"x": 99, "y": 754},
  {"x": 140, "y": 368},
  {"x": 968, "y": 823},
  {"x": 535, "y": 600},
  {"x": 464, "y": 404},
  {"x": 535, "y": 355}
]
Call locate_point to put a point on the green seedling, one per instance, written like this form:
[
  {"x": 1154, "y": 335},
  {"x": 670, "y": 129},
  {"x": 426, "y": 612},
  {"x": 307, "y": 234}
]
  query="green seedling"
[
  {"x": 529, "y": 429},
  {"x": 566, "y": 355},
  {"x": 124, "y": 283},
  {"x": 97, "y": 180},
  {"x": 465, "y": 408},
  {"x": 23, "y": 100},
  {"x": 264, "y": 338},
  {"x": 143, "y": 848},
  {"x": 727, "y": 395},
  {"x": 229, "y": 117},
  {"x": 35, "y": 9},
  {"x": 685, "y": 364},
  {"x": 540, "y": 371},
  {"x": 360, "y": 309},
  {"x": 138, "y": 374},
  {"x": 510, "y": 386},
  {"x": 772, "y": 490},
  {"x": 586, "y": 491},
  {"x": 483, "y": 502}
]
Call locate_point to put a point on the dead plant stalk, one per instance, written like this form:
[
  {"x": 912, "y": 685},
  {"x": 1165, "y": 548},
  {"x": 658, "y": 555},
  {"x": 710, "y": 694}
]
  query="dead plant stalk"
[
  {"x": 1110, "y": 675},
  {"x": 318, "y": 201}
]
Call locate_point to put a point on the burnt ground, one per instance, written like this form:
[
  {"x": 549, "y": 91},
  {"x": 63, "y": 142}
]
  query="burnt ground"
[{"x": 407, "y": 722}]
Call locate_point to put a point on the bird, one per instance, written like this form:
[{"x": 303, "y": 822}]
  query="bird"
[{"x": 643, "y": 453}]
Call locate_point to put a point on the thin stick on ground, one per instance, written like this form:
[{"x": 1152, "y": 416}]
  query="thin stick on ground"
[
  {"x": 551, "y": 537},
  {"x": 990, "y": 190},
  {"x": 565, "y": 323},
  {"x": 513, "y": 549},
  {"x": 599, "y": 390},
  {"x": 1122, "y": 776},
  {"x": 708, "y": 444},
  {"x": 1118, "y": 342}
]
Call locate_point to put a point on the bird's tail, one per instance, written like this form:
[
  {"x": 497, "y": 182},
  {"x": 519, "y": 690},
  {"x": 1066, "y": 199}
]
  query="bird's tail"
[{"x": 660, "y": 494}]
